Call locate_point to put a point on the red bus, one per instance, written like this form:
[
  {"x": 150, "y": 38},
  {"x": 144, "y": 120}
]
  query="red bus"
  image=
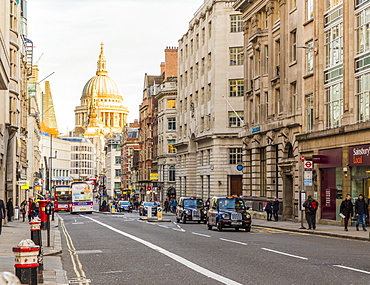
[{"x": 62, "y": 198}]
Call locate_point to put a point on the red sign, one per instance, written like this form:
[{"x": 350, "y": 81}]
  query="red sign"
[
  {"x": 359, "y": 155},
  {"x": 149, "y": 188},
  {"x": 302, "y": 158},
  {"x": 308, "y": 164}
]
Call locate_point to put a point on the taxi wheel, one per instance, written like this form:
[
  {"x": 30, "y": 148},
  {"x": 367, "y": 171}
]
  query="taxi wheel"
[
  {"x": 219, "y": 227},
  {"x": 248, "y": 229},
  {"x": 237, "y": 229},
  {"x": 183, "y": 219},
  {"x": 198, "y": 222},
  {"x": 209, "y": 226},
  {"x": 178, "y": 220}
]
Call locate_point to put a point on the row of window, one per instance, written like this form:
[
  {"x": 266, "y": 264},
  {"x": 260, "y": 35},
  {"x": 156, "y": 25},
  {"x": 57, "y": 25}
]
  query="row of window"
[
  {"x": 82, "y": 171},
  {"x": 82, "y": 148}
]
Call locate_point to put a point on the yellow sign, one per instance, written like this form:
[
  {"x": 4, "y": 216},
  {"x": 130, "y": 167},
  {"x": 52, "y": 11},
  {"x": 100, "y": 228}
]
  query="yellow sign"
[
  {"x": 26, "y": 185},
  {"x": 153, "y": 176},
  {"x": 159, "y": 213}
]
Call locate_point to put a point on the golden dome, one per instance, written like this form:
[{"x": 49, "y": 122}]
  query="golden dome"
[{"x": 105, "y": 87}]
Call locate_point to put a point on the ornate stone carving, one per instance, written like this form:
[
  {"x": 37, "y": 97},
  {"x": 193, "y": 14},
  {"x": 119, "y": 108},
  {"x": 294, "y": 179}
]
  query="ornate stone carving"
[
  {"x": 257, "y": 138},
  {"x": 270, "y": 7},
  {"x": 282, "y": 2},
  {"x": 270, "y": 136},
  {"x": 254, "y": 21},
  {"x": 245, "y": 27}
]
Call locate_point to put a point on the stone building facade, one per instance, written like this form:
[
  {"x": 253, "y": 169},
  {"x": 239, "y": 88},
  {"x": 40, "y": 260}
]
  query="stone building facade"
[
  {"x": 209, "y": 107},
  {"x": 15, "y": 68},
  {"x": 307, "y": 91}
]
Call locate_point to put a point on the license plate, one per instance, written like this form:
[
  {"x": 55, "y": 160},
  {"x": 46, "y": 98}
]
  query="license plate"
[
  {"x": 196, "y": 218},
  {"x": 236, "y": 223},
  {"x": 82, "y": 209}
]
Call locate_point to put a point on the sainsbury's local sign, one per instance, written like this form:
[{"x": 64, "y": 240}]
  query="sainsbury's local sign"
[{"x": 359, "y": 155}]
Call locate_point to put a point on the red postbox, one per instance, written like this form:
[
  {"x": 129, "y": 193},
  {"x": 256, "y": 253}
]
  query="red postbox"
[{"x": 43, "y": 216}]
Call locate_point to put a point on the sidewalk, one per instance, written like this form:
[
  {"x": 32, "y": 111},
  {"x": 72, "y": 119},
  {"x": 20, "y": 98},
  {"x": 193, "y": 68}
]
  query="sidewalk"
[
  {"x": 321, "y": 229},
  {"x": 14, "y": 232}
]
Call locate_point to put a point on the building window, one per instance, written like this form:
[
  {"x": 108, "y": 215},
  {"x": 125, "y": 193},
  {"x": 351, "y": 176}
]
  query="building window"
[
  {"x": 118, "y": 159},
  {"x": 172, "y": 124},
  {"x": 293, "y": 45},
  {"x": 234, "y": 120},
  {"x": 117, "y": 172},
  {"x": 266, "y": 59},
  {"x": 334, "y": 45},
  {"x": 117, "y": 185},
  {"x": 171, "y": 148},
  {"x": 363, "y": 31},
  {"x": 203, "y": 36},
  {"x": 236, "y": 56},
  {"x": 171, "y": 103},
  {"x": 171, "y": 174},
  {"x": 236, "y": 87},
  {"x": 267, "y": 104},
  {"x": 309, "y": 9},
  {"x": 279, "y": 101},
  {"x": 293, "y": 92},
  {"x": 235, "y": 155},
  {"x": 334, "y": 105},
  {"x": 209, "y": 29},
  {"x": 236, "y": 23},
  {"x": 363, "y": 98},
  {"x": 209, "y": 61},
  {"x": 309, "y": 57},
  {"x": 332, "y": 3},
  {"x": 309, "y": 112}
]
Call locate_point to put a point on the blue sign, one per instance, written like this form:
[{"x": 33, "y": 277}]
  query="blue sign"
[
  {"x": 239, "y": 167},
  {"x": 256, "y": 129}
]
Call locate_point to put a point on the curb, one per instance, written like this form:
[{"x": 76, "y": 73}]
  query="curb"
[{"x": 314, "y": 232}]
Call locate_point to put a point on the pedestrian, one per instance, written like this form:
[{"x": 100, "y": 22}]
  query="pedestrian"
[
  {"x": 10, "y": 209},
  {"x": 268, "y": 210},
  {"x": 275, "y": 209},
  {"x": 311, "y": 206},
  {"x": 2, "y": 213},
  {"x": 208, "y": 202},
  {"x": 31, "y": 209},
  {"x": 166, "y": 205},
  {"x": 23, "y": 209},
  {"x": 346, "y": 210},
  {"x": 173, "y": 205},
  {"x": 361, "y": 212}
]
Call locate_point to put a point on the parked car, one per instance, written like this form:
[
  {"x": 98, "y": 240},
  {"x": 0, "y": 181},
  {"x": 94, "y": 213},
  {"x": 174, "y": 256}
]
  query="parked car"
[
  {"x": 191, "y": 209},
  {"x": 124, "y": 206},
  {"x": 228, "y": 212},
  {"x": 143, "y": 208}
]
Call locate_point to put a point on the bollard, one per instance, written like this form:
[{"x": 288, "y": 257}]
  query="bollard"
[
  {"x": 26, "y": 261},
  {"x": 9, "y": 279},
  {"x": 37, "y": 239}
]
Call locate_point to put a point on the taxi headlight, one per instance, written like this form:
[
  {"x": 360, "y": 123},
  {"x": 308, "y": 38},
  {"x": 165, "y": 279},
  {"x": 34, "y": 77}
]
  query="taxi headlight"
[
  {"x": 205, "y": 212},
  {"x": 247, "y": 216},
  {"x": 225, "y": 216},
  {"x": 187, "y": 212}
]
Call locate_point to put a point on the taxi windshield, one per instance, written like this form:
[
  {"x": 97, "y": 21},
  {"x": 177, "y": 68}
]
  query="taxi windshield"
[
  {"x": 231, "y": 204},
  {"x": 193, "y": 203}
]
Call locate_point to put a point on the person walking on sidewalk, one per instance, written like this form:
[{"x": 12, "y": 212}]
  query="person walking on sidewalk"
[
  {"x": 346, "y": 209},
  {"x": 275, "y": 209},
  {"x": 361, "y": 212},
  {"x": 10, "y": 209},
  {"x": 311, "y": 206},
  {"x": 23, "y": 209},
  {"x": 268, "y": 210},
  {"x": 2, "y": 213},
  {"x": 31, "y": 209}
]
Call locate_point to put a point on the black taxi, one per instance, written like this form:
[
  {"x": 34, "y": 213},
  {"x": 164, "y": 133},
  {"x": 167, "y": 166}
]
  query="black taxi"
[
  {"x": 228, "y": 212},
  {"x": 191, "y": 209}
]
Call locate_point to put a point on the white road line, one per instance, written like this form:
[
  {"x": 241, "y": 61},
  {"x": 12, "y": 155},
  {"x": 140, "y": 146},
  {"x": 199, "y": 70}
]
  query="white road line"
[
  {"x": 283, "y": 253},
  {"x": 162, "y": 226},
  {"x": 179, "y": 230},
  {"x": 234, "y": 241},
  {"x": 174, "y": 256},
  {"x": 202, "y": 235},
  {"x": 354, "y": 269},
  {"x": 78, "y": 223}
]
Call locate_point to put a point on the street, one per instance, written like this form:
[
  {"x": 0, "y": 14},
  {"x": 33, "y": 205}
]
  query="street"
[{"x": 121, "y": 249}]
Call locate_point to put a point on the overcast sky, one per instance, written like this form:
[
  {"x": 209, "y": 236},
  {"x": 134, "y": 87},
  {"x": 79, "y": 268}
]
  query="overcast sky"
[{"x": 67, "y": 35}]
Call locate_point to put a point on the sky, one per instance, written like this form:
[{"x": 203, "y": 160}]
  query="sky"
[{"x": 67, "y": 34}]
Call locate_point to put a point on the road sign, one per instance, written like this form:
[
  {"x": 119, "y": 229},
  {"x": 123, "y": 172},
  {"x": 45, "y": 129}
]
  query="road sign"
[
  {"x": 22, "y": 183},
  {"x": 303, "y": 158},
  {"x": 239, "y": 167},
  {"x": 159, "y": 213},
  {"x": 307, "y": 164}
]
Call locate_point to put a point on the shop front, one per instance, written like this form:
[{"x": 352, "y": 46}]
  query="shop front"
[
  {"x": 359, "y": 163},
  {"x": 330, "y": 166}
]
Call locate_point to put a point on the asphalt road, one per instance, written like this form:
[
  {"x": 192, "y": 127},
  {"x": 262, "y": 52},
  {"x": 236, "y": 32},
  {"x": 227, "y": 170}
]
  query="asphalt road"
[{"x": 121, "y": 249}]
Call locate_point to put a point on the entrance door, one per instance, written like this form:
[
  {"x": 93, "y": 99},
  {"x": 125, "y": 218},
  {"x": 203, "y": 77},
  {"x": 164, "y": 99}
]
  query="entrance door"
[
  {"x": 236, "y": 185},
  {"x": 288, "y": 198},
  {"x": 328, "y": 194}
]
